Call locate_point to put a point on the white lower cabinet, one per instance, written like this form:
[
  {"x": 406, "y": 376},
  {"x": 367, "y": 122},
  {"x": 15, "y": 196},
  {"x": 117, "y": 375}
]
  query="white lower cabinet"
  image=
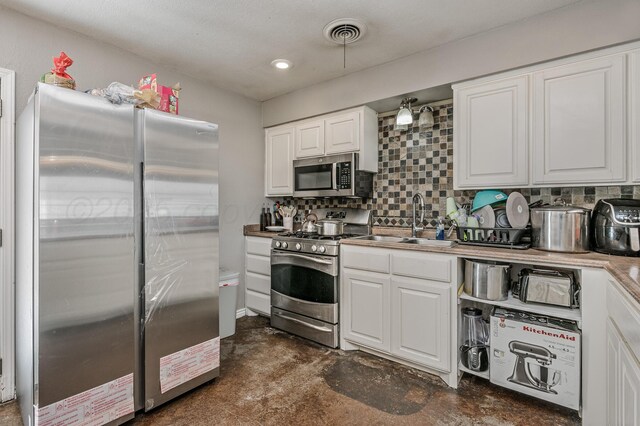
[
  {"x": 257, "y": 277},
  {"x": 366, "y": 304},
  {"x": 622, "y": 364},
  {"x": 623, "y": 381},
  {"x": 402, "y": 317},
  {"x": 420, "y": 321}
]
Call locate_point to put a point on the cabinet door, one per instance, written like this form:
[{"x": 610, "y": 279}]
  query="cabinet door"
[
  {"x": 491, "y": 134},
  {"x": 613, "y": 374},
  {"x": 420, "y": 321},
  {"x": 310, "y": 139},
  {"x": 578, "y": 122},
  {"x": 629, "y": 389},
  {"x": 279, "y": 161},
  {"x": 634, "y": 112},
  {"x": 365, "y": 308},
  {"x": 342, "y": 133}
]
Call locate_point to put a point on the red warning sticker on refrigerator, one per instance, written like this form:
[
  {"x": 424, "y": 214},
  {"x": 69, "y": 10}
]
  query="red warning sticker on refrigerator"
[
  {"x": 182, "y": 366},
  {"x": 93, "y": 407}
]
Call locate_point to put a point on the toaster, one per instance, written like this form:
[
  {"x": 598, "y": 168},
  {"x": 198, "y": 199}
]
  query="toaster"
[
  {"x": 615, "y": 227},
  {"x": 546, "y": 286}
]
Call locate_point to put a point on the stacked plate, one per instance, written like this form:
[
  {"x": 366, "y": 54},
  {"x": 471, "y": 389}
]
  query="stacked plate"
[{"x": 490, "y": 210}]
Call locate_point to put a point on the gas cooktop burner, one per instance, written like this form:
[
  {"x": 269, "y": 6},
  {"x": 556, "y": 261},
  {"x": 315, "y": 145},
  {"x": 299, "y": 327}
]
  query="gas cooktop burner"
[{"x": 313, "y": 236}]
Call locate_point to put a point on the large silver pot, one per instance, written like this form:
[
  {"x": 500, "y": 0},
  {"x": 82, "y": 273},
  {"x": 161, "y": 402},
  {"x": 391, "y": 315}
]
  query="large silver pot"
[
  {"x": 487, "y": 280},
  {"x": 330, "y": 227},
  {"x": 560, "y": 228}
]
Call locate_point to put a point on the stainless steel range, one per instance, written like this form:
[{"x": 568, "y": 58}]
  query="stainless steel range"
[{"x": 305, "y": 277}]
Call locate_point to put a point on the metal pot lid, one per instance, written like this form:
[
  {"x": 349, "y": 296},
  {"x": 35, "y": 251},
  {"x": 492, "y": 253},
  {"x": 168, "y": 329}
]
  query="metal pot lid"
[{"x": 562, "y": 209}]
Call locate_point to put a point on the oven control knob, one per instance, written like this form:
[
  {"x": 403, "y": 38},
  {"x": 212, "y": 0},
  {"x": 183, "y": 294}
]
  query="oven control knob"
[
  {"x": 284, "y": 244},
  {"x": 298, "y": 246},
  {"x": 322, "y": 249},
  {"x": 277, "y": 244},
  {"x": 314, "y": 248}
]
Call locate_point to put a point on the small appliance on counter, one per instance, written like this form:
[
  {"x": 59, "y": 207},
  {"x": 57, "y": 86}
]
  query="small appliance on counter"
[
  {"x": 560, "y": 228},
  {"x": 547, "y": 286},
  {"x": 536, "y": 355},
  {"x": 474, "y": 348},
  {"x": 615, "y": 227}
]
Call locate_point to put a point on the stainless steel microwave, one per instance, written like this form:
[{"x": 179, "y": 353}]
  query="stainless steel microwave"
[{"x": 331, "y": 176}]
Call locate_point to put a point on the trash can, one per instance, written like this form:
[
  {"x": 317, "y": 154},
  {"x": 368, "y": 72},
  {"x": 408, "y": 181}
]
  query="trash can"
[{"x": 227, "y": 301}]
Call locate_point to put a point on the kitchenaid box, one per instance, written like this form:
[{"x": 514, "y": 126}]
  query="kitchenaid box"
[{"x": 536, "y": 355}]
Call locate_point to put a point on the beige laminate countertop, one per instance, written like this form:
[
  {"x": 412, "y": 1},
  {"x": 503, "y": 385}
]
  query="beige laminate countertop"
[{"x": 626, "y": 270}]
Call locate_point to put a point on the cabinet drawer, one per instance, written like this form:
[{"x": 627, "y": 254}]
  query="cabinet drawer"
[
  {"x": 258, "y": 264},
  {"x": 366, "y": 259},
  {"x": 259, "y": 246},
  {"x": 625, "y": 316},
  {"x": 259, "y": 283},
  {"x": 421, "y": 265},
  {"x": 258, "y": 302}
]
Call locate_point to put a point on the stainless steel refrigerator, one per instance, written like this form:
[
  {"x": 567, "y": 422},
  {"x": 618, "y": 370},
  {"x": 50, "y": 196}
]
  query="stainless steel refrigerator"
[{"x": 116, "y": 258}]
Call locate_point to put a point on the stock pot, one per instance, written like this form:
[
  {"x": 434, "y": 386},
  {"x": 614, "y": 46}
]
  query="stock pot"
[{"x": 560, "y": 228}]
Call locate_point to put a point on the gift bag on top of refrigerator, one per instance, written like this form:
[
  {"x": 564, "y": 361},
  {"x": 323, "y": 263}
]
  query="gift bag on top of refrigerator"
[
  {"x": 168, "y": 95},
  {"x": 58, "y": 75}
]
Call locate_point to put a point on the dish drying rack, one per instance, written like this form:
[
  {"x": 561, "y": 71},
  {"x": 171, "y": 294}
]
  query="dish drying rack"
[{"x": 513, "y": 238}]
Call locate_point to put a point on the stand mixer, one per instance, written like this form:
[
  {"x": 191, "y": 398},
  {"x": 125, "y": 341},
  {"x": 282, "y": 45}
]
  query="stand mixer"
[{"x": 533, "y": 357}]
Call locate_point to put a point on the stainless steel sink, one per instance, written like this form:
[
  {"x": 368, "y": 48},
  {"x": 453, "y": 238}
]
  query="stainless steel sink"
[
  {"x": 429, "y": 242},
  {"x": 382, "y": 238}
]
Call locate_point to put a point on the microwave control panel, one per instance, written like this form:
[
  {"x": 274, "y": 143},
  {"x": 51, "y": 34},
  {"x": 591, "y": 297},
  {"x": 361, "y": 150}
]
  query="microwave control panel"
[{"x": 344, "y": 175}]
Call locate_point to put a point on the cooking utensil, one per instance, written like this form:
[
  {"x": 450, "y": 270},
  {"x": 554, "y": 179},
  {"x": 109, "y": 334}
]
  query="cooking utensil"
[
  {"x": 560, "y": 228},
  {"x": 501, "y": 217},
  {"x": 309, "y": 224},
  {"x": 486, "y": 280},
  {"x": 330, "y": 227},
  {"x": 517, "y": 210},
  {"x": 486, "y": 217},
  {"x": 487, "y": 198}
]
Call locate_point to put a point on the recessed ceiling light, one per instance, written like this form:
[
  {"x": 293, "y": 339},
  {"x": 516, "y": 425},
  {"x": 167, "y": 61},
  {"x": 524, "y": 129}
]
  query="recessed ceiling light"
[{"x": 281, "y": 64}]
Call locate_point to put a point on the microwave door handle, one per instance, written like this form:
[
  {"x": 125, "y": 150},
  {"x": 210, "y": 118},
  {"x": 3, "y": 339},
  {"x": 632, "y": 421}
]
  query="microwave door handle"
[{"x": 334, "y": 175}]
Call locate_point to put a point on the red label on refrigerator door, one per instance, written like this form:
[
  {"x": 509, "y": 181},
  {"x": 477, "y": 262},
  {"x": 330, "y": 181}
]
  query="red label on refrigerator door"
[
  {"x": 182, "y": 366},
  {"x": 93, "y": 407}
]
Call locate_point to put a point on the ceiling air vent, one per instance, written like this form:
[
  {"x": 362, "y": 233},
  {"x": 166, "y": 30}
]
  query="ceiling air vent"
[{"x": 344, "y": 30}]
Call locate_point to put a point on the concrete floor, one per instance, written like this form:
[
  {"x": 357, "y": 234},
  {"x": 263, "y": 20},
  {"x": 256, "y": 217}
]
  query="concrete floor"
[{"x": 269, "y": 377}]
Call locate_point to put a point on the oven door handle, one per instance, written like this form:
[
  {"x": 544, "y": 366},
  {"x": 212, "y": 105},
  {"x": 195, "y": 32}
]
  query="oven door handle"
[
  {"x": 301, "y": 256},
  {"x": 306, "y": 324}
]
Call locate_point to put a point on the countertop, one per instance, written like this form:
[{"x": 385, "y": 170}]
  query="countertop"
[{"x": 626, "y": 270}]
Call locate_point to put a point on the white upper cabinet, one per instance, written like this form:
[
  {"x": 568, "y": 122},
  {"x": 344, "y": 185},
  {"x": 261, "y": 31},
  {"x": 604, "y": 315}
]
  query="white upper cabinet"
[
  {"x": 279, "y": 161},
  {"x": 342, "y": 133},
  {"x": 579, "y": 122},
  {"x": 491, "y": 134},
  {"x": 634, "y": 113},
  {"x": 309, "y": 139}
]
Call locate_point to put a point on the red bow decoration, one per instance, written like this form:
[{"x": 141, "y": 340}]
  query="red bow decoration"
[{"x": 60, "y": 65}]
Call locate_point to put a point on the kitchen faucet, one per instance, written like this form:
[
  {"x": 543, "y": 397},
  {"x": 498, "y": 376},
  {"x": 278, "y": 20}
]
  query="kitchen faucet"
[{"x": 417, "y": 199}]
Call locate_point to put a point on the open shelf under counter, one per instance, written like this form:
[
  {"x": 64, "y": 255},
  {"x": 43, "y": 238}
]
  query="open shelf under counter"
[
  {"x": 513, "y": 303},
  {"x": 483, "y": 374}
]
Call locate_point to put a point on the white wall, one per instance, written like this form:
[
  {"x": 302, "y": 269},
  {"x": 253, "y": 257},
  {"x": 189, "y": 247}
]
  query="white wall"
[
  {"x": 584, "y": 26},
  {"x": 27, "y": 47}
]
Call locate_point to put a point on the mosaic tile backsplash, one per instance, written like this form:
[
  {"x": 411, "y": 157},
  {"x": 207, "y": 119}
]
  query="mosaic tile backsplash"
[{"x": 413, "y": 160}]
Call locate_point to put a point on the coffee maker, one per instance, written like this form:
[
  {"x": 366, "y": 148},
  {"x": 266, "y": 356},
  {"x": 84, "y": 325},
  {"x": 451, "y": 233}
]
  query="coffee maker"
[{"x": 532, "y": 367}]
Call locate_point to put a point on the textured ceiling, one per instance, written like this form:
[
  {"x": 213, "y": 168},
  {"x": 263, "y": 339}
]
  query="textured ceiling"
[{"x": 231, "y": 43}]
